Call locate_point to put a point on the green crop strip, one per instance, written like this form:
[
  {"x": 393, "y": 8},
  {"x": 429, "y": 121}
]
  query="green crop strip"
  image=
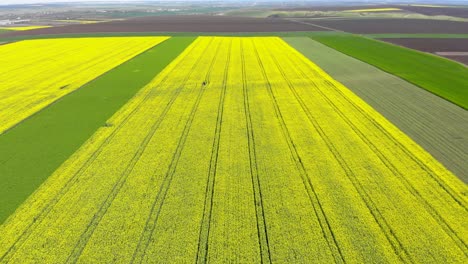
[
  {"x": 440, "y": 76},
  {"x": 32, "y": 150}
]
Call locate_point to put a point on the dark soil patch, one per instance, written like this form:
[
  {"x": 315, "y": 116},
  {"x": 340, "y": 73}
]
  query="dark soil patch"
[
  {"x": 425, "y": 10},
  {"x": 432, "y": 45},
  {"x": 435, "y": 45},
  {"x": 438, "y": 11},
  {"x": 462, "y": 59},
  {"x": 178, "y": 24},
  {"x": 375, "y": 26},
  {"x": 335, "y": 8}
]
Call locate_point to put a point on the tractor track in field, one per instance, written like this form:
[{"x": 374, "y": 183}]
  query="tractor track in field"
[
  {"x": 313, "y": 197},
  {"x": 203, "y": 242},
  {"x": 398, "y": 248},
  {"x": 157, "y": 205},
  {"x": 91, "y": 227},
  {"x": 74, "y": 179},
  {"x": 409, "y": 186},
  {"x": 256, "y": 185},
  {"x": 86, "y": 235},
  {"x": 420, "y": 163}
]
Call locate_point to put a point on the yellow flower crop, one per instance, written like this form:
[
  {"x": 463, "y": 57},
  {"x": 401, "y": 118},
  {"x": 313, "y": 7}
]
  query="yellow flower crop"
[
  {"x": 24, "y": 28},
  {"x": 244, "y": 151},
  {"x": 35, "y": 73}
]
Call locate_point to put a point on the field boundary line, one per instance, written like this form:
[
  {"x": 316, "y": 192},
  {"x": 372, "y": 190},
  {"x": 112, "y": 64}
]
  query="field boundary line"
[
  {"x": 374, "y": 211},
  {"x": 308, "y": 185},
  {"x": 74, "y": 179},
  {"x": 203, "y": 242},
  {"x": 150, "y": 225},
  {"x": 315, "y": 25},
  {"x": 262, "y": 231}
]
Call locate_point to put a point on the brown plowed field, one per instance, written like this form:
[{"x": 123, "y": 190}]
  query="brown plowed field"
[
  {"x": 425, "y": 10},
  {"x": 435, "y": 45},
  {"x": 178, "y": 24},
  {"x": 438, "y": 11},
  {"x": 375, "y": 26},
  {"x": 335, "y": 8}
]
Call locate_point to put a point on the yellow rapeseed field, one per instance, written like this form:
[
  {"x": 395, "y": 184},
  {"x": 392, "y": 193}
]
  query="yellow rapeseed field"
[
  {"x": 24, "y": 28},
  {"x": 35, "y": 73},
  {"x": 243, "y": 151}
]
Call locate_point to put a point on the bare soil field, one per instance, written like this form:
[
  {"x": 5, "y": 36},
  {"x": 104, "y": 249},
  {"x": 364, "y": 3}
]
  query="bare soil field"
[
  {"x": 424, "y": 10},
  {"x": 449, "y": 48},
  {"x": 438, "y": 11},
  {"x": 374, "y": 26},
  {"x": 178, "y": 24},
  {"x": 335, "y": 8}
]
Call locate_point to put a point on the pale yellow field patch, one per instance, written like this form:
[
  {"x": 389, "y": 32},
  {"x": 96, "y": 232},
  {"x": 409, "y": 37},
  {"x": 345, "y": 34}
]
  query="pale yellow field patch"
[
  {"x": 79, "y": 21},
  {"x": 24, "y": 28}
]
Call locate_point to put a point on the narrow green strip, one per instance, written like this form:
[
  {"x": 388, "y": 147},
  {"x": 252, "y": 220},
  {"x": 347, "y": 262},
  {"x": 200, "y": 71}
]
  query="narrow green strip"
[
  {"x": 35, "y": 148},
  {"x": 439, "y": 76},
  {"x": 417, "y": 36}
]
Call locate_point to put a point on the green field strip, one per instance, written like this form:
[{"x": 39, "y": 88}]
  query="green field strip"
[
  {"x": 437, "y": 125},
  {"x": 417, "y": 35},
  {"x": 174, "y": 34},
  {"x": 32, "y": 150},
  {"x": 439, "y": 76}
]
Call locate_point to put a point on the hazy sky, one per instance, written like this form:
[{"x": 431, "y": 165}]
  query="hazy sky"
[
  {"x": 52, "y": 1},
  {"x": 61, "y": 1}
]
